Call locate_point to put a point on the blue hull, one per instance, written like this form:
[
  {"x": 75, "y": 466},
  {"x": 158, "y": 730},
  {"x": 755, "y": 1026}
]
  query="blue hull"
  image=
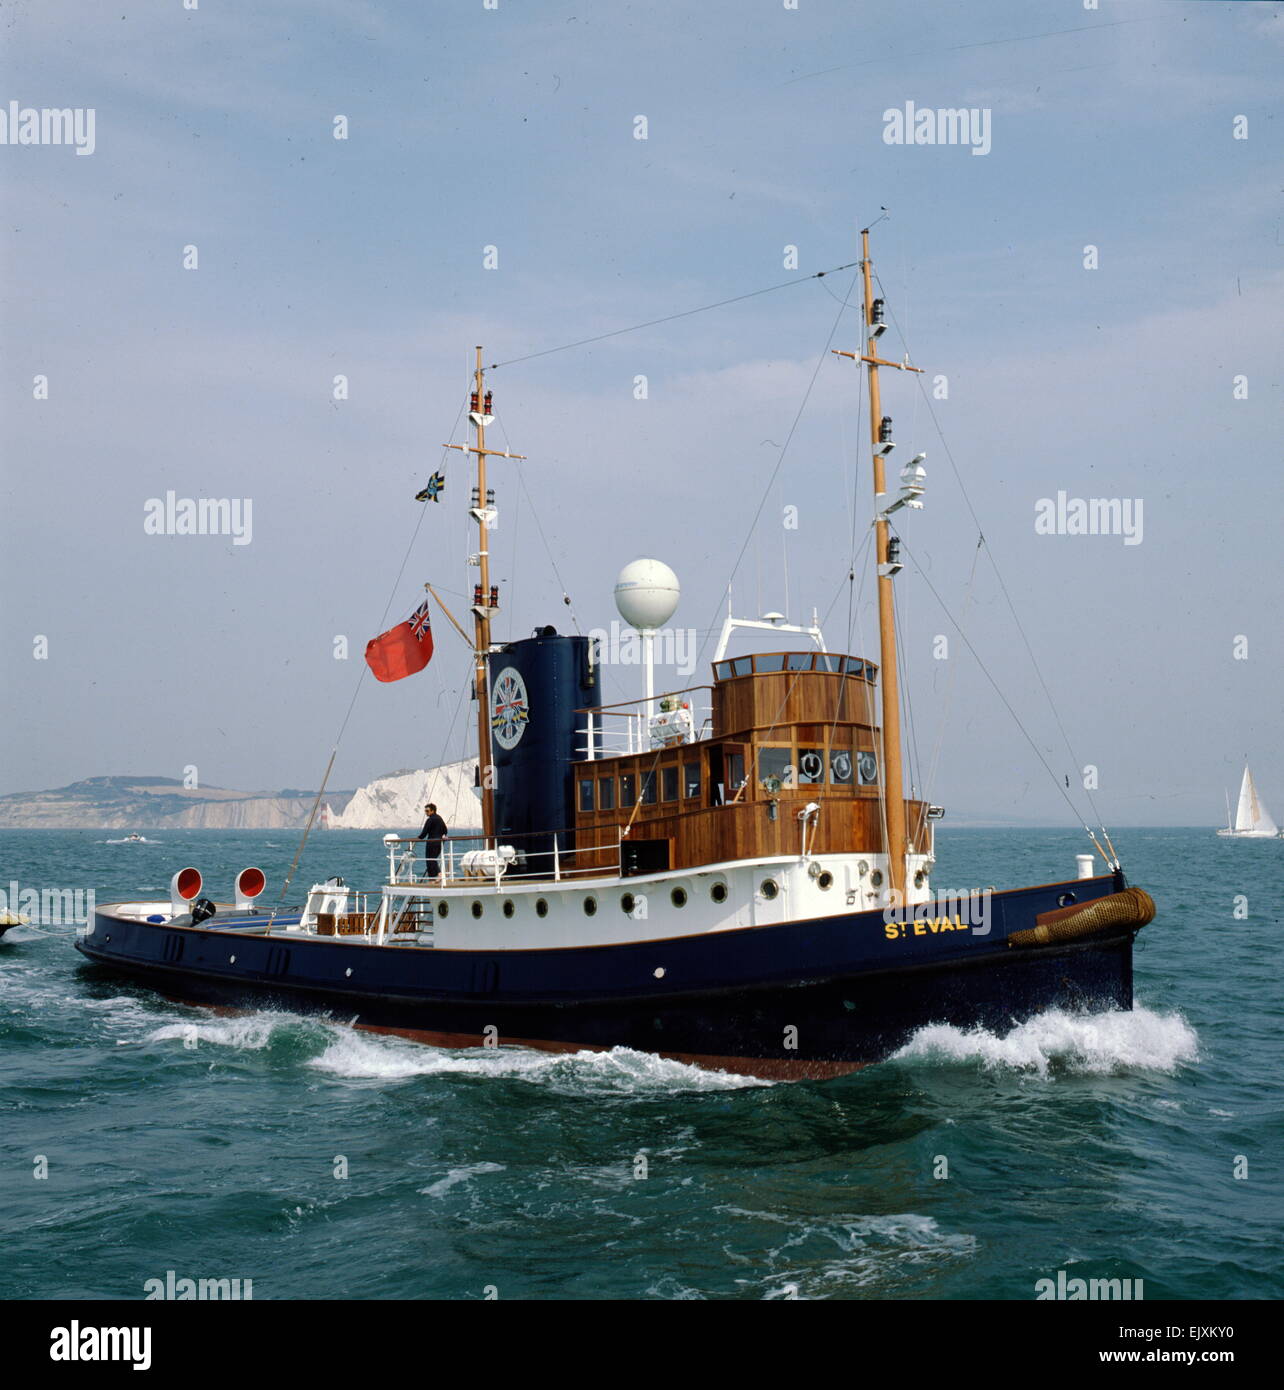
[{"x": 815, "y": 998}]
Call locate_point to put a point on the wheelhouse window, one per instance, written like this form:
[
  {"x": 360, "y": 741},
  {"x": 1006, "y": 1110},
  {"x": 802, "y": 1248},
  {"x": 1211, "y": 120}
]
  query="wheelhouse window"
[
  {"x": 777, "y": 763},
  {"x": 735, "y": 763},
  {"x": 606, "y": 793},
  {"x": 798, "y": 661},
  {"x": 669, "y": 783},
  {"x": 628, "y": 788},
  {"x": 722, "y": 670},
  {"x": 811, "y": 765},
  {"x": 825, "y": 661},
  {"x": 648, "y": 789},
  {"x": 691, "y": 779},
  {"x": 867, "y": 767},
  {"x": 586, "y": 793},
  {"x": 770, "y": 661}
]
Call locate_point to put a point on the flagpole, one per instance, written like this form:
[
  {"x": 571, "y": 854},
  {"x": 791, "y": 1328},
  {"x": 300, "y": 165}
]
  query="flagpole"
[{"x": 448, "y": 614}]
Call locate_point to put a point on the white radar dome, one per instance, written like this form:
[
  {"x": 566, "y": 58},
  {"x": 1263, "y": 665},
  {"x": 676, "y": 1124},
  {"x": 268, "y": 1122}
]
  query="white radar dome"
[{"x": 646, "y": 593}]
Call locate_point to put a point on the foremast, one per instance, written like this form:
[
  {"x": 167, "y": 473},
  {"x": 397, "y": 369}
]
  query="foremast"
[
  {"x": 485, "y": 595},
  {"x": 887, "y": 559}
]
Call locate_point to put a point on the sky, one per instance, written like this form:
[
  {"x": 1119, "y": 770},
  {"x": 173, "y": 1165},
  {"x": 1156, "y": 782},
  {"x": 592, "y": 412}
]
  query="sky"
[{"x": 492, "y": 189}]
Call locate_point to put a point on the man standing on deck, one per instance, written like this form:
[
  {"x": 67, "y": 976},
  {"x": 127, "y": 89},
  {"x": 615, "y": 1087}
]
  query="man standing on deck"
[{"x": 433, "y": 833}]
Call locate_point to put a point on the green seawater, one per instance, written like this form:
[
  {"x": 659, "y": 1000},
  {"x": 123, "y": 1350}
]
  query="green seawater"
[{"x": 319, "y": 1162}]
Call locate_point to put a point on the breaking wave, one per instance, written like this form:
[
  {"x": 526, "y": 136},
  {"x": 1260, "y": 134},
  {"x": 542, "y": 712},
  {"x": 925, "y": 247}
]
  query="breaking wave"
[
  {"x": 620, "y": 1071},
  {"x": 1099, "y": 1044},
  {"x": 248, "y": 1032}
]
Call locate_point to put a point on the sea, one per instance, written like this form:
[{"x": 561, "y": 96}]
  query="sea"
[{"x": 140, "y": 1138}]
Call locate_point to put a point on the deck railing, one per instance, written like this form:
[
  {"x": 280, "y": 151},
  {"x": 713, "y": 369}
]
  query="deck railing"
[
  {"x": 640, "y": 726},
  {"x": 511, "y": 857}
]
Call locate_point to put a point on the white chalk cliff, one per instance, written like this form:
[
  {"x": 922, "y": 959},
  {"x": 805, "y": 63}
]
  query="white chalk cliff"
[{"x": 396, "y": 802}]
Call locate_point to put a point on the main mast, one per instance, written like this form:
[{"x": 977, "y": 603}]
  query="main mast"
[
  {"x": 886, "y": 548},
  {"x": 485, "y": 595}
]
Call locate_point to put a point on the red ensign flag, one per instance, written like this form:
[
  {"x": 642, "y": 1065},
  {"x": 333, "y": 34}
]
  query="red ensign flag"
[{"x": 402, "y": 650}]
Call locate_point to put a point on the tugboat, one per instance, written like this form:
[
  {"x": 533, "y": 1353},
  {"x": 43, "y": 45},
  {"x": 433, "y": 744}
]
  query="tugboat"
[{"x": 729, "y": 875}]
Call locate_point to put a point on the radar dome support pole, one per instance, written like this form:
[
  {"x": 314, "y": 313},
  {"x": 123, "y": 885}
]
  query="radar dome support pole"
[
  {"x": 648, "y": 654},
  {"x": 646, "y": 595}
]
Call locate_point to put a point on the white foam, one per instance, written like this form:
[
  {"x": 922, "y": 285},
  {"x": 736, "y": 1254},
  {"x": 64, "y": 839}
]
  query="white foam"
[
  {"x": 251, "y": 1032},
  {"x": 1119, "y": 1040},
  {"x": 365, "y": 1056},
  {"x": 458, "y": 1175},
  {"x": 870, "y": 1250}
]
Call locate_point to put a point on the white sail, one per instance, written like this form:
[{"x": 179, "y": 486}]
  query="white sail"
[{"x": 1251, "y": 815}]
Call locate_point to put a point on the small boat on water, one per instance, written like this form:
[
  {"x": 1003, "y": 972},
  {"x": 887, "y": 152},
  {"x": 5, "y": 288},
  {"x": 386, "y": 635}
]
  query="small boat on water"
[
  {"x": 1252, "y": 820},
  {"x": 13, "y": 919},
  {"x": 730, "y": 875},
  {"x": 134, "y": 839}
]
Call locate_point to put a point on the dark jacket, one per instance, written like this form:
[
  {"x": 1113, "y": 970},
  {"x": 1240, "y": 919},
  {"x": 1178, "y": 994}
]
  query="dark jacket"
[{"x": 434, "y": 830}]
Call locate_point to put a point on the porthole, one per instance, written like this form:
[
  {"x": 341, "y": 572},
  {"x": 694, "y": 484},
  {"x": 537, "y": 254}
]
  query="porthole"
[
  {"x": 1066, "y": 899},
  {"x": 824, "y": 879},
  {"x": 509, "y": 908},
  {"x": 541, "y": 907},
  {"x": 590, "y": 906},
  {"x": 920, "y": 879},
  {"x": 769, "y": 888},
  {"x": 876, "y": 878},
  {"x": 627, "y": 904},
  {"x": 443, "y": 909},
  {"x": 477, "y": 909},
  {"x": 678, "y": 897},
  {"x": 718, "y": 892}
]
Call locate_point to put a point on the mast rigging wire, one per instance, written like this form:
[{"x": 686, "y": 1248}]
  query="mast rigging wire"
[
  {"x": 766, "y": 492},
  {"x": 998, "y": 575},
  {"x": 1074, "y": 810},
  {"x": 392, "y": 593},
  {"x": 669, "y": 318}
]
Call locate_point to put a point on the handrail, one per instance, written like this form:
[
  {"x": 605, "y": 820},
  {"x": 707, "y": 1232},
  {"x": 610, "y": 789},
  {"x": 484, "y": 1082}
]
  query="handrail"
[
  {"x": 641, "y": 700},
  {"x": 818, "y": 665},
  {"x": 526, "y": 868}
]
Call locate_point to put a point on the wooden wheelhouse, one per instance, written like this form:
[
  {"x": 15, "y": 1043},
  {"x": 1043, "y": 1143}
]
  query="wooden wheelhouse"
[{"x": 783, "y": 730}]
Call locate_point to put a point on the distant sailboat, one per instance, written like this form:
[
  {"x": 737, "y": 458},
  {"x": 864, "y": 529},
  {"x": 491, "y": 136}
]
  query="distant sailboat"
[{"x": 1252, "y": 819}]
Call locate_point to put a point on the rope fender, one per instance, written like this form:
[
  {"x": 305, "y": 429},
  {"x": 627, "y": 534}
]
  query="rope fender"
[{"x": 1132, "y": 908}]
